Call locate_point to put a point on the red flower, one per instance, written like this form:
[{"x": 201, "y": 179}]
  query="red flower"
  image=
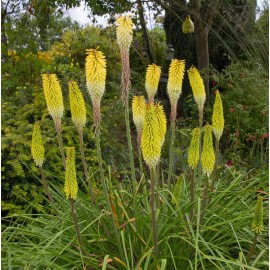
[
  {"x": 229, "y": 163},
  {"x": 266, "y": 136},
  {"x": 231, "y": 109}
]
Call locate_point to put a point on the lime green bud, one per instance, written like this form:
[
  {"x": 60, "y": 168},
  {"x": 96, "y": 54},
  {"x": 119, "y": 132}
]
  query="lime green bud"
[
  {"x": 194, "y": 149},
  {"x": 151, "y": 141},
  {"x": 77, "y": 105},
  {"x": 37, "y": 148},
  {"x": 124, "y": 32},
  {"x": 153, "y": 73},
  {"x": 218, "y": 118},
  {"x": 138, "y": 110},
  {"x": 257, "y": 223},
  {"x": 175, "y": 80},
  {"x": 177, "y": 190},
  {"x": 208, "y": 155},
  {"x": 71, "y": 185},
  {"x": 188, "y": 25},
  {"x": 197, "y": 87},
  {"x": 53, "y": 95}
]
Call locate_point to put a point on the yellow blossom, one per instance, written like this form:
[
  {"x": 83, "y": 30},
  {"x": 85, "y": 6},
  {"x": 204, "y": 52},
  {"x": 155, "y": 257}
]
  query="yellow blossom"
[
  {"x": 208, "y": 155},
  {"x": 77, "y": 105},
  {"x": 53, "y": 95},
  {"x": 124, "y": 32},
  {"x": 138, "y": 109},
  {"x": 161, "y": 121},
  {"x": 218, "y": 118},
  {"x": 194, "y": 148},
  {"x": 153, "y": 73},
  {"x": 257, "y": 223},
  {"x": 71, "y": 185},
  {"x": 37, "y": 149}
]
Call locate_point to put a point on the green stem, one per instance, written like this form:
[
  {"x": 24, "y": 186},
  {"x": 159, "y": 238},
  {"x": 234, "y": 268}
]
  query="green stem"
[
  {"x": 116, "y": 235},
  {"x": 46, "y": 186},
  {"x": 130, "y": 150},
  {"x": 171, "y": 152},
  {"x": 204, "y": 203},
  {"x": 153, "y": 211},
  {"x": 252, "y": 248},
  {"x": 192, "y": 178},
  {"x": 60, "y": 140},
  {"x": 80, "y": 132},
  {"x": 200, "y": 149},
  {"x": 76, "y": 227}
]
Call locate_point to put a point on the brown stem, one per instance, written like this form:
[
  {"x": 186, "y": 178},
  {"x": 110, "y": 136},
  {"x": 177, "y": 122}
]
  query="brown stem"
[
  {"x": 252, "y": 248},
  {"x": 76, "y": 227},
  {"x": 125, "y": 79},
  {"x": 58, "y": 128},
  {"x": 80, "y": 132}
]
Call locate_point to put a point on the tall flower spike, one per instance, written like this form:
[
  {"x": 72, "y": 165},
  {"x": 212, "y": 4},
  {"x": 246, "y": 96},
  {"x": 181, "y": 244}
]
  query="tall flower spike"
[
  {"x": 218, "y": 118},
  {"x": 138, "y": 110},
  {"x": 208, "y": 155},
  {"x": 71, "y": 185},
  {"x": 194, "y": 148},
  {"x": 175, "y": 80},
  {"x": 77, "y": 105},
  {"x": 177, "y": 190},
  {"x": 161, "y": 121},
  {"x": 95, "y": 69},
  {"x": 53, "y": 95},
  {"x": 197, "y": 87},
  {"x": 124, "y": 32},
  {"x": 257, "y": 223},
  {"x": 151, "y": 141},
  {"x": 37, "y": 149},
  {"x": 153, "y": 73}
]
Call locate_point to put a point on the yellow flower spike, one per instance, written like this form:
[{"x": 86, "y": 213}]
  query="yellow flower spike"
[
  {"x": 95, "y": 69},
  {"x": 138, "y": 110},
  {"x": 218, "y": 118},
  {"x": 53, "y": 95},
  {"x": 37, "y": 148},
  {"x": 153, "y": 73},
  {"x": 257, "y": 223},
  {"x": 208, "y": 155},
  {"x": 197, "y": 87},
  {"x": 175, "y": 80},
  {"x": 124, "y": 32},
  {"x": 161, "y": 121},
  {"x": 71, "y": 185},
  {"x": 177, "y": 190},
  {"x": 77, "y": 105},
  {"x": 151, "y": 142},
  {"x": 188, "y": 25},
  {"x": 194, "y": 148}
]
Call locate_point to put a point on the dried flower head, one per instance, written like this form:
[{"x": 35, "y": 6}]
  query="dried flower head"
[
  {"x": 77, "y": 105},
  {"x": 208, "y": 155},
  {"x": 71, "y": 185},
  {"x": 153, "y": 73},
  {"x": 257, "y": 223},
  {"x": 37, "y": 149},
  {"x": 124, "y": 32},
  {"x": 218, "y": 118},
  {"x": 194, "y": 148},
  {"x": 197, "y": 87},
  {"x": 53, "y": 95}
]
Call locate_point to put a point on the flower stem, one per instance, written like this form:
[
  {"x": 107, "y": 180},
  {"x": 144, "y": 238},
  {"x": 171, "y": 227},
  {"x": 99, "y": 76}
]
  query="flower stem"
[
  {"x": 60, "y": 140},
  {"x": 252, "y": 248},
  {"x": 116, "y": 235},
  {"x": 171, "y": 152},
  {"x": 76, "y": 227},
  {"x": 80, "y": 133},
  {"x": 200, "y": 149},
  {"x": 46, "y": 186},
  {"x": 153, "y": 211},
  {"x": 215, "y": 167}
]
